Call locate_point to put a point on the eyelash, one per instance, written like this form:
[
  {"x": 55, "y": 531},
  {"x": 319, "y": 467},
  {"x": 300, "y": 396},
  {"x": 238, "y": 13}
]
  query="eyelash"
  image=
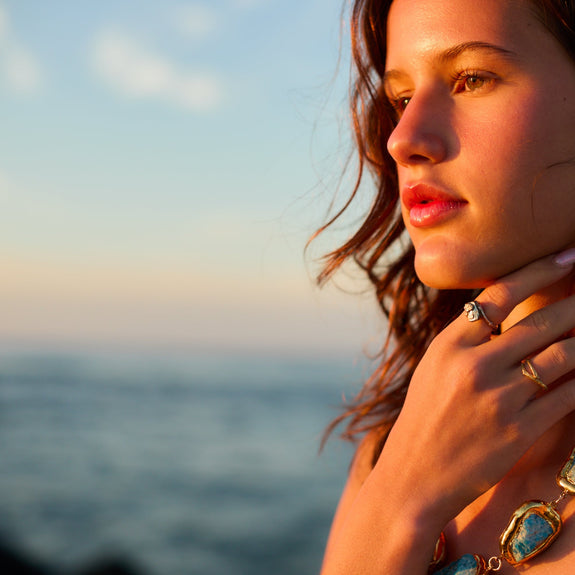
[
  {"x": 399, "y": 104},
  {"x": 460, "y": 80},
  {"x": 460, "y": 85}
]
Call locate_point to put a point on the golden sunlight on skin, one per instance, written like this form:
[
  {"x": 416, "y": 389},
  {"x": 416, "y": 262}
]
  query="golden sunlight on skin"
[
  {"x": 484, "y": 125},
  {"x": 485, "y": 104}
]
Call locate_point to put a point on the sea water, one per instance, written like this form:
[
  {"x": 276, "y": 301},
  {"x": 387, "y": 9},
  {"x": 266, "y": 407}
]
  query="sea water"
[{"x": 179, "y": 465}]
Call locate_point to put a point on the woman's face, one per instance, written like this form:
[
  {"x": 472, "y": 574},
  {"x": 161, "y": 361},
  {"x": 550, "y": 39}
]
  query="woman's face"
[{"x": 485, "y": 142}]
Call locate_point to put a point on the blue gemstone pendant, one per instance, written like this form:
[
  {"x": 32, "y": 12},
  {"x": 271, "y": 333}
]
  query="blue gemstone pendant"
[
  {"x": 532, "y": 528},
  {"x": 466, "y": 565},
  {"x": 566, "y": 477}
]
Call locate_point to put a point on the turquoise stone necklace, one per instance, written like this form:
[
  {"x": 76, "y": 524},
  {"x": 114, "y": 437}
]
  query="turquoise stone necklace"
[{"x": 532, "y": 528}]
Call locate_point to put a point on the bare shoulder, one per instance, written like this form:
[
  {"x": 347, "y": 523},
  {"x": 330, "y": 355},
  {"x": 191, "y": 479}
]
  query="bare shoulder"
[
  {"x": 362, "y": 463},
  {"x": 360, "y": 469}
]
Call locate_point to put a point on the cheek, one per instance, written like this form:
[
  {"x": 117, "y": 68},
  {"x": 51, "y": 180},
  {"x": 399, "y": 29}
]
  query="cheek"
[
  {"x": 512, "y": 151},
  {"x": 540, "y": 159},
  {"x": 502, "y": 142},
  {"x": 553, "y": 204}
]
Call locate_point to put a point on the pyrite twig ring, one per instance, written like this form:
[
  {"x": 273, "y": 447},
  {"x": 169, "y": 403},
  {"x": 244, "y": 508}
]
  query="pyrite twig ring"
[{"x": 530, "y": 372}]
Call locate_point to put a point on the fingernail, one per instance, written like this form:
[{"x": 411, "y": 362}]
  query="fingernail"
[{"x": 566, "y": 258}]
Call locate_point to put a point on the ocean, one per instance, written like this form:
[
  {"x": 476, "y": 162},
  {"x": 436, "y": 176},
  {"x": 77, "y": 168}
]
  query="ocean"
[{"x": 170, "y": 465}]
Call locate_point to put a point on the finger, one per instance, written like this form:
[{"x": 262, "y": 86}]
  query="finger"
[
  {"x": 501, "y": 297},
  {"x": 555, "y": 361},
  {"x": 539, "y": 330},
  {"x": 552, "y": 407}
]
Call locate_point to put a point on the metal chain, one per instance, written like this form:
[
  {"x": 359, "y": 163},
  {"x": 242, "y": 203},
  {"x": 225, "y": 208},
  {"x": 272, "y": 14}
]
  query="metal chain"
[
  {"x": 556, "y": 502},
  {"x": 494, "y": 564}
]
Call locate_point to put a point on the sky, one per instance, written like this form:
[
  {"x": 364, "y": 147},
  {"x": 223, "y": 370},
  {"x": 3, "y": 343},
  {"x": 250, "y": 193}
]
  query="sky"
[{"x": 162, "y": 164}]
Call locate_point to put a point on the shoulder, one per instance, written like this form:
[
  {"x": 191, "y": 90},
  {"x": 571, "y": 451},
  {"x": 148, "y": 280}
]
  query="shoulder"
[
  {"x": 362, "y": 463},
  {"x": 361, "y": 467}
]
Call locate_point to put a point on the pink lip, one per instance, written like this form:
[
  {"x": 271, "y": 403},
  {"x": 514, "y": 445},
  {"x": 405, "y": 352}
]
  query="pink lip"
[{"x": 429, "y": 206}]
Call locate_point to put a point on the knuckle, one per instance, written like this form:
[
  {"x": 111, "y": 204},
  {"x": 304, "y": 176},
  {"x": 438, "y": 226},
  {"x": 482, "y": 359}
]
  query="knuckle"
[
  {"x": 558, "y": 355},
  {"x": 539, "y": 321},
  {"x": 501, "y": 294}
]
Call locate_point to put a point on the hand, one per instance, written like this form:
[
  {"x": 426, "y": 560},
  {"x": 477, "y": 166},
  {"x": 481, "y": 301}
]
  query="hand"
[
  {"x": 468, "y": 417},
  {"x": 470, "y": 414}
]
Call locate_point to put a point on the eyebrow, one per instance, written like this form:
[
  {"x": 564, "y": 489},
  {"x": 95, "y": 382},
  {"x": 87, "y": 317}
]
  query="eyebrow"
[{"x": 456, "y": 51}]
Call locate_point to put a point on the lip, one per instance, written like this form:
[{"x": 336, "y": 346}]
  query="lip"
[{"x": 428, "y": 205}]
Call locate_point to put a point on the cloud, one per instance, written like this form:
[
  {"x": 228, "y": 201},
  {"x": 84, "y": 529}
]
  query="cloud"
[
  {"x": 137, "y": 72},
  {"x": 196, "y": 21},
  {"x": 19, "y": 69}
]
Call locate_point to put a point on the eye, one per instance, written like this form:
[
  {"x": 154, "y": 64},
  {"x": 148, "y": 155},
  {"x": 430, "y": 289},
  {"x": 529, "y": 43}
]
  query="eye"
[
  {"x": 472, "y": 81},
  {"x": 399, "y": 104}
]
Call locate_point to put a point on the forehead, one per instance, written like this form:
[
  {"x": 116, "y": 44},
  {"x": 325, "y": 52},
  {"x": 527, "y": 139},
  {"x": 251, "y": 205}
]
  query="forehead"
[{"x": 424, "y": 27}]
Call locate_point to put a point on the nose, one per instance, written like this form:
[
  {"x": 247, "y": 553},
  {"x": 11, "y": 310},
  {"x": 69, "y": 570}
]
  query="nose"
[{"x": 421, "y": 135}]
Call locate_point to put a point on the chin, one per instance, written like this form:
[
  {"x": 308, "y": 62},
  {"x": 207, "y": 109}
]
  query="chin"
[{"x": 443, "y": 276}]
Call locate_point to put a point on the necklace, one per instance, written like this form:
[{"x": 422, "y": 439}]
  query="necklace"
[{"x": 533, "y": 527}]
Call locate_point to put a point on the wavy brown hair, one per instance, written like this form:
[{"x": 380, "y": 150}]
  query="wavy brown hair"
[{"x": 380, "y": 246}]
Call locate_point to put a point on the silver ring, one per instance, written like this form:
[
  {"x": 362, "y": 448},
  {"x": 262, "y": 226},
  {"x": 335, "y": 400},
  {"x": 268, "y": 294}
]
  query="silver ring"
[
  {"x": 530, "y": 372},
  {"x": 475, "y": 312}
]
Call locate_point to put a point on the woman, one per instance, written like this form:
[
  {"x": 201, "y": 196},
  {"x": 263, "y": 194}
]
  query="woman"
[{"x": 465, "y": 114}]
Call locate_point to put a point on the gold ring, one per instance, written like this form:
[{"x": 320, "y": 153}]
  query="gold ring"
[{"x": 529, "y": 371}]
